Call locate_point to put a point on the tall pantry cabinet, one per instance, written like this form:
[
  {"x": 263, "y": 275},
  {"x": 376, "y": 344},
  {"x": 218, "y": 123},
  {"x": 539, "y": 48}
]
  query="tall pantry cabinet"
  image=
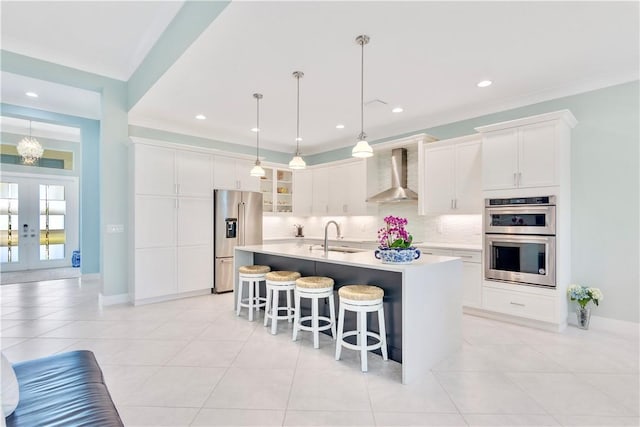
[{"x": 172, "y": 220}]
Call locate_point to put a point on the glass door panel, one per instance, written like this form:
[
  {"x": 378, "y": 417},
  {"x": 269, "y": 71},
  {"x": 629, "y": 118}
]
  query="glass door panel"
[
  {"x": 44, "y": 233},
  {"x": 9, "y": 222}
]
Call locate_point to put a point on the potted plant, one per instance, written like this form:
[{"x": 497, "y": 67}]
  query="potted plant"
[
  {"x": 395, "y": 242},
  {"x": 583, "y": 295}
]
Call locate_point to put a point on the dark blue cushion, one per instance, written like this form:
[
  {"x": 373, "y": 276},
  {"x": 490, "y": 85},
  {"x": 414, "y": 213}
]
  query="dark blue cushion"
[{"x": 65, "y": 389}]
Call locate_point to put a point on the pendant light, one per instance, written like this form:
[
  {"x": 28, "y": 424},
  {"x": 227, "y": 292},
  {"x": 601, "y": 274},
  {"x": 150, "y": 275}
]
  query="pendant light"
[
  {"x": 297, "y": 162},
  {"x": 257, "y": 169},
  {"x": 362, "y": 148},
  {"x": 29, "y": 149}
]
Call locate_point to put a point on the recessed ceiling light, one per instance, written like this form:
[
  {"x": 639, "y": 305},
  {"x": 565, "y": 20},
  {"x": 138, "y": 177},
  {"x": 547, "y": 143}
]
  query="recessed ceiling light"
[
  {"x": 485, "y": 83},
  {"x": 397, "y": 110},
  {"x": 339, "y": 126},
  {"x": 201, "y": 117},
  {"x": 255, "y": 130},
  {"x": 31, "y": 94}
]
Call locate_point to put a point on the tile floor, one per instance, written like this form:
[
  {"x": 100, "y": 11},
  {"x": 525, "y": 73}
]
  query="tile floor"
[{"x": 193, "y": 362}]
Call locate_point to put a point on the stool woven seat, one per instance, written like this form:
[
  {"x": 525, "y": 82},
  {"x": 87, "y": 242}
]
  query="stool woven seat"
[
  {"x": 282, "y": 276},
  {"x": 314, "y": 282},
  {"x": 254, "y": 269},
  {"x": 361, "y": 292}
]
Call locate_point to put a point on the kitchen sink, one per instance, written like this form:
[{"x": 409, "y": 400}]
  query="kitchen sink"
[{"x": 343, "y": 249}]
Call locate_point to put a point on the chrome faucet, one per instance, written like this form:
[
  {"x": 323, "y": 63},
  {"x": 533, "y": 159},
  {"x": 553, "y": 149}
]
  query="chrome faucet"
[{"x": 326, "y": 228}]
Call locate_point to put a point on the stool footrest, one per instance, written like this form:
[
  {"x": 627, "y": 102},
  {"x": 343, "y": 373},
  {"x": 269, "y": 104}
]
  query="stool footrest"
[
  {"x": 346, "y": 344},
  {"x": 320, "y": 319}
]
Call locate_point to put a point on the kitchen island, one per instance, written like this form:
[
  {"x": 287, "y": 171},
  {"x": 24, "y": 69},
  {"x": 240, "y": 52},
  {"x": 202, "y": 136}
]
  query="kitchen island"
[{"x": 422, "y": 302}]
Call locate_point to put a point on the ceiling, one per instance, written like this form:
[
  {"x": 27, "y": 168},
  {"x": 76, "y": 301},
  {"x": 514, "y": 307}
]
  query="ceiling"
[{"x": 423, "y": 56}]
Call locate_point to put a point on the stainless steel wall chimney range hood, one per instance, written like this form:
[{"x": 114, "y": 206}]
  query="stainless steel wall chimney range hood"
[{"x": 398, "y": 191}]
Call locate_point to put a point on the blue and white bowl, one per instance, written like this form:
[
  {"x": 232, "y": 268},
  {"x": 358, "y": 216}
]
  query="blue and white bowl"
[{"x": 397, "y": 255}]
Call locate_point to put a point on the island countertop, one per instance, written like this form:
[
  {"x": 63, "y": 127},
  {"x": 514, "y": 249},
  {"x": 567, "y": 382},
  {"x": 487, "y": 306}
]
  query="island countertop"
[
  {"x": 364, "y": 259},
  {"x": 422, "y": 300}
]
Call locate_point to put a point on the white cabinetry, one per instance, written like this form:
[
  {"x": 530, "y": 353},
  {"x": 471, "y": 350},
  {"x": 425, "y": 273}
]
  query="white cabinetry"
[
  {"x": 348, "y": 189},
  {"x": 303, "y": 192},
  {"x": 277, "y": 190},
  {"x": 452, "y": 177},
  {"x": 471, "y": 273},
  {"x": 172, "y": 218},
  {"x": 233, "y": 174},
  {"x": 525, "y": 154},
  {"x": 320, "y": 191}
]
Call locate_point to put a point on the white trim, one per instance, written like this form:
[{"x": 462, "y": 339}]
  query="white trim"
[
  {"x": 403, "y": 142},
  {"x": 565, "y": 115},
  {"x": 91, "y": 276},
  {"x": 104, "y": 300},
  {"x": 152, "y": 300},
  {"x": 522, "y": 321}
]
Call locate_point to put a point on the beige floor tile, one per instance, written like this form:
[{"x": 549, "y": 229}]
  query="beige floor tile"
[
  {"x": 328, "y": 418},
  {"x": 238, "y": 417},
  {"x": 208, "y": 354},
  {"x": 388, "y": 419},
  {"x": 133, "y": 416}
]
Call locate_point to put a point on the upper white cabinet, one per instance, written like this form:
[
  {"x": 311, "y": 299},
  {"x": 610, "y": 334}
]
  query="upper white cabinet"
[
  {"x": 320, "y": 191},
  {"x": 233, "y": 174},
  {"x": 277, "y": 190},
  {"x": 194, "y": 174},
  {"x": 348, "y": 189},
  {"x": 525, "y": 153},
  {"x": 154, "y": 171},
  {"x": 302, "y": 192},
  {"x": 452, "y": 176}
]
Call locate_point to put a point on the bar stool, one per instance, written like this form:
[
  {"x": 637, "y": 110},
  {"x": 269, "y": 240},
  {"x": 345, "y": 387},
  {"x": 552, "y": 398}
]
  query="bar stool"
[
  {"x": 253, "y": 275},
  {"x": 279, "y": 281},
  {"x": 314, "y": 288},
  {"x": 361, "y": 299}
]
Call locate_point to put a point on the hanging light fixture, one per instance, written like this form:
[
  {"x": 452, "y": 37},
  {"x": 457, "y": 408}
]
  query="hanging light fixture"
[
  {"x": 257, "y": 169},
  {"x": 362, "y": 147},
  {"x": 297, "y": 162},
  {"x": 29, "y": 149}
]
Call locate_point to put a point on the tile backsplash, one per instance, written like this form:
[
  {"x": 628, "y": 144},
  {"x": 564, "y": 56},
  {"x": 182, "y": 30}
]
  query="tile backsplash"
[{"x": 428, "y": 228}]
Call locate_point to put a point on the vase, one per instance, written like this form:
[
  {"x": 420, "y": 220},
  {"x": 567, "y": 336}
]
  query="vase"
[
  {"x": 397, "y": 255},
  {"x": 584, "y": 315}
]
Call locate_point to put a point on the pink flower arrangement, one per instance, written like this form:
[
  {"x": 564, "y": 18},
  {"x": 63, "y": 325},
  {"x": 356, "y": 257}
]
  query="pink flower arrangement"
[{"x": 394, "y": 235}]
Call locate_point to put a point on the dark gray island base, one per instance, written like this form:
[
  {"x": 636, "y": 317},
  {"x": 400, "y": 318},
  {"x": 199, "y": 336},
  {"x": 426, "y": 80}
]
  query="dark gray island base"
[
  {"x": 390, "y": 281},
  {"x": 422, "y": 302}
]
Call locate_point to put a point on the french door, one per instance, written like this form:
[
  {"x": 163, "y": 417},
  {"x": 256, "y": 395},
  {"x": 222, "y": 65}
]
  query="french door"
[{"x": 39, "y": 221}]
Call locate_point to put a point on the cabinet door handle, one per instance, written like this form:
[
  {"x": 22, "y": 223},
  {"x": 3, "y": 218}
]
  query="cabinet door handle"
[
  {"x": 519, "y": 179},
  {"x": 465, "y": 256},
  {"x": 517, "y": 303},
  {"x": 451, "y": 203},
  {"x": 455, "y": 203},
  {"x": 515, "y": 179}
]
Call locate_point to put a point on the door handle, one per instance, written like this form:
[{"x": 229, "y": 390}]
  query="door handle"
[
  {"x": 241, "y": 229},
  {"x": 515, "y": 180},
  {"x": 517, "y": 303},
  {"x": 519, "y": 179}
]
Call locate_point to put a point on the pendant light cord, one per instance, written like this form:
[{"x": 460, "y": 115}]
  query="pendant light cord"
[
  {"x": 362, "y": 42},
  {"x": 298, "y": 118},
  {"x": 257, "y": 127}
]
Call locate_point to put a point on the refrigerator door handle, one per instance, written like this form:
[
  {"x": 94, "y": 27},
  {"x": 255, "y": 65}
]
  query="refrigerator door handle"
[{"x": 241, "y": 230}]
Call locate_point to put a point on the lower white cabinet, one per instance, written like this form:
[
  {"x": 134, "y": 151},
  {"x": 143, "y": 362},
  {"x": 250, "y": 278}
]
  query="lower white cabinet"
[
  {"x": 520, "y": 303},
  {"x": 471, "y": 273},
  {"x": 155, "y": 273}
]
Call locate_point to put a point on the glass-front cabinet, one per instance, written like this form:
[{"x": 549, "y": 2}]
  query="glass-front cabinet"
[{"x": 277, "y": 190}]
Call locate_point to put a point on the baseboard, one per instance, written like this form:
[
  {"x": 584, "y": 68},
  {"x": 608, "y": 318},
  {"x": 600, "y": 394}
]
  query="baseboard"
[
  {"x": 172, "y": 297},
  {"x": 91, "y": 276},
  {"x": 522, "y": 321},
  {"x": 112, "y": 299}
]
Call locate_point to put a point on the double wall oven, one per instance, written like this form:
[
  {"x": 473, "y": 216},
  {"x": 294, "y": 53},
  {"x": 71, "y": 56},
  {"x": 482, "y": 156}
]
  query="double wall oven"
[{"x": 520, "y": 240}]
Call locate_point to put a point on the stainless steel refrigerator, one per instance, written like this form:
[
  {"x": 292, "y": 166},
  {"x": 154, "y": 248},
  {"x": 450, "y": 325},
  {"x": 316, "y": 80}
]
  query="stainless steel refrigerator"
[{"x": 237, "y": 222}]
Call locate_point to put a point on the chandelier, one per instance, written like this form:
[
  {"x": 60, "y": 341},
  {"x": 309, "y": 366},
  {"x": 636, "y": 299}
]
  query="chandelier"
[{"x": 30, "y": 149}]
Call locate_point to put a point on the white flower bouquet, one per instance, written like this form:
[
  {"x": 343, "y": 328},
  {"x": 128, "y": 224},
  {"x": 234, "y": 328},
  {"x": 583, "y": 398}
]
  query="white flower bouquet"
[{"x": 583, "y": 295}]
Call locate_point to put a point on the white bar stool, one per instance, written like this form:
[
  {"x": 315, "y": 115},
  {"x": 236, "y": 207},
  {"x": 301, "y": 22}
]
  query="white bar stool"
[
  {"x": 279, "y": 281},
  {"x": 314, "y": 288},
  {"x": 253, "y": 275},
  {"x": 361, "y": 299}
]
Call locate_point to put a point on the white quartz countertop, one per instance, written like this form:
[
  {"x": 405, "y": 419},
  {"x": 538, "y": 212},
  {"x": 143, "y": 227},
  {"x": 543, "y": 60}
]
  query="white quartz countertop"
[
  {"x": 442, "y": 245},
  {"x": 365, "y": 259}
]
